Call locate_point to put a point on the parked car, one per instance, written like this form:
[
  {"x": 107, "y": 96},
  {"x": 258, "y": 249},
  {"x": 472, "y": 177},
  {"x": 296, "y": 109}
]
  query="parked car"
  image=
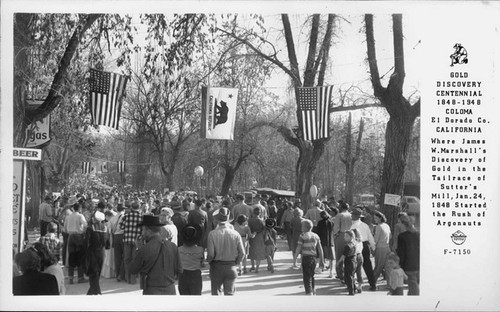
[{"x": 413, "y": 204}]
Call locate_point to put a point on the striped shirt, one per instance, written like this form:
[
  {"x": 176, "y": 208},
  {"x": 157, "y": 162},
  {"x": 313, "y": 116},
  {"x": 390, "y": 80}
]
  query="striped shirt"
[
  {"x": 129, "y": 225},
  {"x": 308, "y": 242}
]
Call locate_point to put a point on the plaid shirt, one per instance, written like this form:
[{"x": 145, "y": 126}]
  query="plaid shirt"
[
  {"x": 52, "y": 242},
  {"x": 129, "y": 226}
]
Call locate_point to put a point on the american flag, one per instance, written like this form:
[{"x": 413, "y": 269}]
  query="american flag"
[
  {"x": 106, "y": 91},
  {"x": 86, "y": 167},
  {"x": 121, "y": 166},
  {"x": 314, "y": 107}
]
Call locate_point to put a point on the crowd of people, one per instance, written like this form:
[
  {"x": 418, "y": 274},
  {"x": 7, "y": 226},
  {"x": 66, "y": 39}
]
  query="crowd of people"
[{"x": 164, "y": 240}]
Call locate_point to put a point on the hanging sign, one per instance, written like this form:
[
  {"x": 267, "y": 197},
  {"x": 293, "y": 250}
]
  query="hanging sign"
[
  {"x": 392, "y": 199},
  {"x": 27, "y": 153},
  {"x": 38, "y": 133}
]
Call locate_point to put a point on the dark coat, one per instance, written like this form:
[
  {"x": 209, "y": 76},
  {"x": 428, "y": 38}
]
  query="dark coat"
[
  {"x": 35, "y": 283},
  {"x": 97, "y": 238},
  {"x": 409, "y": 250}
]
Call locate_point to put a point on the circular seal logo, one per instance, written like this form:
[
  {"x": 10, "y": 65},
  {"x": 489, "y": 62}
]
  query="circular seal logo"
[{"x": 458, "y": 237}]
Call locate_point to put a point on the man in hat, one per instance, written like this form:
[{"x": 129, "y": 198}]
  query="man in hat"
[
  {"x": 224, "y": 253},
  {"x": 180, "y": 219},
  {"x": 157, "y": 260},
  {"x": 368, "y": 246},
  {"x": 45, "y": 215},
  {"x": 131, "y": 231}
]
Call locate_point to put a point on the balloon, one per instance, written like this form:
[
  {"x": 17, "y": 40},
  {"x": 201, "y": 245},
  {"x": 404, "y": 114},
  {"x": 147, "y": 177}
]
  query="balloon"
[
  {"x": 313, "y": 191},
  {"x": 198, "y": 171}
]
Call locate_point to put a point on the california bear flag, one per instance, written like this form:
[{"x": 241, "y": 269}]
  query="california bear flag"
[{"x": 218, "y": 112}]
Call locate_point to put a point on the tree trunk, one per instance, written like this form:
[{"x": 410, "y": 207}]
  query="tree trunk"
[
  {"x": 227, "y": 182},
  {"x": 397, "y": 144},
  {"x": 309, "y": 155}
]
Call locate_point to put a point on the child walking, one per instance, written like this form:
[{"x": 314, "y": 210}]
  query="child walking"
[
  {"x": 396, "y": 276},
  {"x": 192, "y": 256},
  {"x": 349, "y": 259},
  {"x": 241, "y": 226},
  {"x": 270, "y": 242},
  {"x": 309, "y": 247}
]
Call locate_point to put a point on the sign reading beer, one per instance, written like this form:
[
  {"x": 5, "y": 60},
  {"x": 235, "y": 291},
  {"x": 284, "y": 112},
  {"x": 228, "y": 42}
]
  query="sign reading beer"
[
  {"x": 218, "y": 112},
  {"x": 27, "y": 153}
]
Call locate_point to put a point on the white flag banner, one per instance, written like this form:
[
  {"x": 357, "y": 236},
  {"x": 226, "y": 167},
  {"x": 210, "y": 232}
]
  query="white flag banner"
[{"x": 218, "y": 113}]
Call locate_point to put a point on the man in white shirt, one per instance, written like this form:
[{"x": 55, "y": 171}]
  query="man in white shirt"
[
  {"x": 76, "y": 225},
  {"x": 368, "y": 245}
]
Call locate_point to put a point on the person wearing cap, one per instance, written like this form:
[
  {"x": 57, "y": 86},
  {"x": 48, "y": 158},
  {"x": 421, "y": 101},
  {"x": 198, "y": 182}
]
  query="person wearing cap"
[
  {"x": 192, "y": 256},
  {"x": 169, "y": 230},
  {"x": 96, "y": 239},
  {"x": 341, "y": 224},
  {"x": 368, "y": 247},
  {"x": 156, "y": 260},
  {"x": 224, "y": 253},
  {"x": 131, "y": 231},
  {"x": 257, "y": 203},
  {"x": 76, "y": 225},
  {"x": 45, "y": 214},
  {"x": 314, "y": 214}
]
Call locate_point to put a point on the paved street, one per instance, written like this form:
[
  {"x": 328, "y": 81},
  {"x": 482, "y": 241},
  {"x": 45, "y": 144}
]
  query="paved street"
[{"x": 285, "y": 281}]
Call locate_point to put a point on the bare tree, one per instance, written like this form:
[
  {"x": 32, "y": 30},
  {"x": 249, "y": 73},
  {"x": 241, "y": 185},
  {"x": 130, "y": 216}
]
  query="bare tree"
[
  {"x": 402, "y": 113},
  {"x": 351, "y": 157}
]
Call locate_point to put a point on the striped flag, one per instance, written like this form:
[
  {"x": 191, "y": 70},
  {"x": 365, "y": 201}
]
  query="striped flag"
[
  {"x": 314, "y": 107},
  {"x": 86, "y": 167},
  {"x": 121, "y": 166},
  {"x": 106, "y": 92}
]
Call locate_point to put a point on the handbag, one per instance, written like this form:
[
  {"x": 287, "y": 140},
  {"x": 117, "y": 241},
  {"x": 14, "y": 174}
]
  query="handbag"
[{"x": 145, "y": 277}]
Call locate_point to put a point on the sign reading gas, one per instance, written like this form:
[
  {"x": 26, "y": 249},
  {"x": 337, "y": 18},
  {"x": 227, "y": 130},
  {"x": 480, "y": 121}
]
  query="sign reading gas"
[{"x": 27, "y": 153}]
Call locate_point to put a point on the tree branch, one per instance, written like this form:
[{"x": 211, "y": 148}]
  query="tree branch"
[
  {"x": 54, "y": 96},
  {"x": 372, "y": 57},
  {"x": 292, "y": 56},
  {"x": 351, "y": 108},
  {"x": 309, "y": 72},
  {"x": 260, "y": 53},
  {"x": 325, "y": 48}
]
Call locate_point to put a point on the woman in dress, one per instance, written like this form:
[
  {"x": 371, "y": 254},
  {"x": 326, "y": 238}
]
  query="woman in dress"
[
  {"x": 382, "y": 248},
  {"x": 257, "y": 249}
]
